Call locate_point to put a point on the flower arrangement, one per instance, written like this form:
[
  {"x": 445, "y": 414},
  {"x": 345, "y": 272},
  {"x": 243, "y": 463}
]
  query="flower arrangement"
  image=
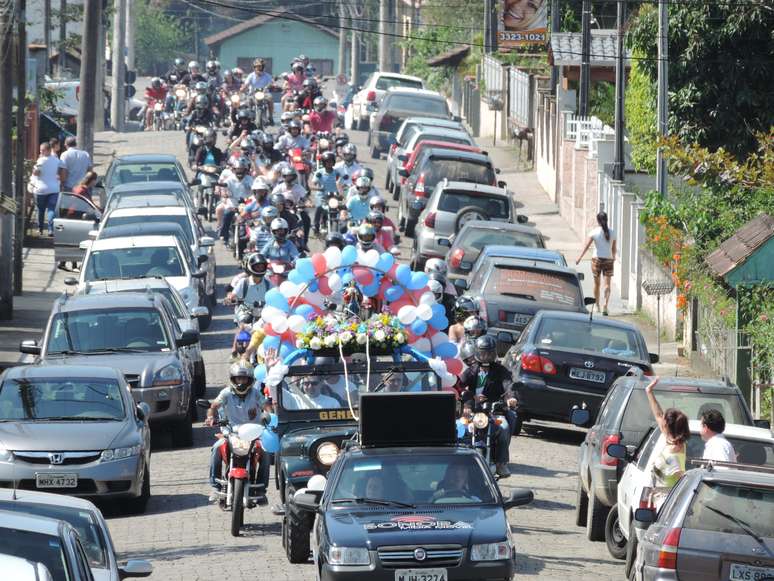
[{"x": 383, "y": 333}]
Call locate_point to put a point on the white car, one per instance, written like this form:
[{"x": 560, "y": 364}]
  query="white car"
[
  {"x": 144, "y": 257},
  {"x": 67, "y": 99},
  {"x": 358, "y": 112},
  {"x": 752, "y": 446}
]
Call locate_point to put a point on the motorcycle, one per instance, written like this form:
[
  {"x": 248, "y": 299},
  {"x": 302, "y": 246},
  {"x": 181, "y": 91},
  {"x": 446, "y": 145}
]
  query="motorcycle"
[
  {"x": 263, "y": 101},
  {"x": 206, "y": 198},
  {"x": 332, "y": 217},
  {"x": 299, "y": 163},
  {"x": 481, "y": 425},
  {"x": 159, "y": 116},
  {"x": 179, "y": 103},
  {"x": 195, "y": 141},
  {"x": 278, "y": 272}
]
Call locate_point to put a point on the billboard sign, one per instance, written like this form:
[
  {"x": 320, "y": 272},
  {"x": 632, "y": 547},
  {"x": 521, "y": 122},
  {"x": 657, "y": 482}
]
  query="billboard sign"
[{"x": 521, "y": 22}]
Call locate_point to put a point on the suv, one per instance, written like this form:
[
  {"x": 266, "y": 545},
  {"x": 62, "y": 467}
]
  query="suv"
[
  {"x": 397, "y": 105},
  {"x": 625, "y": 418},
  {"x": 134, "y": 333},
  {"x": 372, "y": 90},
  {"x": 450, "y": 207}
]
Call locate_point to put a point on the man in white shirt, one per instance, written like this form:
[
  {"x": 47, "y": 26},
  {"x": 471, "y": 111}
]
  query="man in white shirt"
[
  {"x": 45, "y": 183},
  {"x": 310, "y": 397},
  {"x": 716, "y": 446},
  {"x": 76, "y": 163}
]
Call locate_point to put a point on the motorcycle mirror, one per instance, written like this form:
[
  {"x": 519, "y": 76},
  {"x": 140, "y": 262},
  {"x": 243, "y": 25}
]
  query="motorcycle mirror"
[{"x": 203, "y": 403}]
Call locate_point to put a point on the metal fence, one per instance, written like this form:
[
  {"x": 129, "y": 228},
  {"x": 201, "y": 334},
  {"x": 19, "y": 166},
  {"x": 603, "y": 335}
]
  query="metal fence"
[
  {"x": 493, "y": 78},
  {"x": 715, "y": 342},
  {"x": 520, "y": 98}
]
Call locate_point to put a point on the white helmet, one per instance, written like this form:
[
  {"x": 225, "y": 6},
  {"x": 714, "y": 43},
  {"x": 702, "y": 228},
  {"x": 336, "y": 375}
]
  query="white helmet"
[{"x": 436, "y": 265}]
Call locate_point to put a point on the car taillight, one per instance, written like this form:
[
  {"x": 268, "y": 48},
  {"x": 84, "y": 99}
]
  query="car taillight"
[
  {"x": 430, "y": 220},
  {"x": 535, "y": 363},
  {"x": 484, "y": 313},
  {"x": 419, "y": 187},
  {"x": 386, "y": 122},
  {"x": 371, "y": 96},
  {"x": 608, "y": 460},
  {"x": 393, "y": 147},
  {"x": 667, "y": 556},
  {"x": 455, "y": 258},
  {"x": 502, "y": 315}
]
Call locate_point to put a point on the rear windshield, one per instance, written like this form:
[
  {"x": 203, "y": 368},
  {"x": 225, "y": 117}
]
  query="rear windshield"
[
  {"x": 384, "y": 83},
  {"x": 144, "y": 199},
  {"x": 474, "y": 240},
  {"x": 593, "y": 337},
  {"x": 38, "y": 548},
  {"x": 637, "y": 416},
  {"x": 540, "y": 287},
  {"x": 457, "y": 170},
  {"x": 181, "y": 221},
  {"x": 134, "y": 263},
  {"x": 732, "y": 508},
  {"x": 459, "y": 139},
  {"x": 417, "y": 104},
  {"x": 128, "y": 173},
  {"x": 493, "y": 206}
]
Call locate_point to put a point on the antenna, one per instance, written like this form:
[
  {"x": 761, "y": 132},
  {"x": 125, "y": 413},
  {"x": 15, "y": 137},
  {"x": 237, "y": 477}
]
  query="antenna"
[{"x": 13, "y": 477}]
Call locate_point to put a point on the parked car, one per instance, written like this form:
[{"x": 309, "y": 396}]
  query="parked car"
[
  {"x": 625, "y": 418},
  {"x": 187, "y": 320},
  {"x": 134, "y": 333},
  {"x": 74, "y": 217},
  {"x": 753, "y": 446},
  {"x": 21, "y": 569},
  {"x": 149, "y": 195},
  {"x": 407, "y": 129},
  {"x": 146, "y": 167},
  {"x": 88, "y": 522},
  {"x": 450, "y": 206},
  {"x": 146, "y": 256},
  {"x": 716, "y": 524},
  {"x": 372, "y": 91},
  {"x": 434, "y": 165},
  {"x": 512, "y": 291},
  {"x": 396, "y": 105}
]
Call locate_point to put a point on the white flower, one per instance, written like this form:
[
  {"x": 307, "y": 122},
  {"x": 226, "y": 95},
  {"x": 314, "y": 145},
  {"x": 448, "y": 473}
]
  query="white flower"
[
  {"x": 330, "y": 340},
  {"x": 299, "y": 344},
  {"x": 379, "y": 335},
  {"x": 315, "y": 343},
  {"x": 400, "y": 337},
  {"x": 345, "y": 337},
  {"x": 361, "y": 338}
]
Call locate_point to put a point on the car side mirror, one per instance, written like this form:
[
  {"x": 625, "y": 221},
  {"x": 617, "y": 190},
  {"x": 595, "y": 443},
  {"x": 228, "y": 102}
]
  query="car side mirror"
[
  {"x": 135, "y": 568},
  {"x": 30, "y": 347},
  {"x": 201, "y": 259},
  {"x": 518, "y": 497},
  {"x": 206, "y": 241},
  {"x": 588, "y": 301},
  {"x": 187, "y": 338},
  {"x": 580, "y": 417},
  {"x": 444, "y": 242},
  {"x": 762, "y": 424},
  {"x": 502, "y": 184},
  {"x": 199, "y": 274},
  {"x": 199, "y": 312},
  {"x": 461, "y": 284},
  {"x": 404, "y": 173},
  {"x": 581, "y": 276},
  {"x": 521, "y": 219},
  {"x": 644, "y": 517},
  {"x": 307, "y": 501},
  {"x": 618, "y": 451},
  {"x": 71, "y": 281},
  {"x": 402, "y": 157},
  {"x": 203, "y": 403},
  {"x": 653, "y": 357},
  {"x": 143, "y": 411}
]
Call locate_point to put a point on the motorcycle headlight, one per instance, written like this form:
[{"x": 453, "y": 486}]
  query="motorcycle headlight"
[
  {"x": 491, "y": 552},
  {"x": 235, "y": 98},
  {"x": 348, "y": 556},
  {"x": 169, "y": 375},
  {"x": 259, "y": 95},
  {"x": 180, "y": 93},
  {"x": 327, "y": 453},
  {"x": 480, "y": 420},
  {"x": 238, "y": 446},
  {"x": 120, "y": 453},
  {"x": 333, "y": 203},
  {"x": 5, "y": 455},
  {"x": 158, "y": 106}
]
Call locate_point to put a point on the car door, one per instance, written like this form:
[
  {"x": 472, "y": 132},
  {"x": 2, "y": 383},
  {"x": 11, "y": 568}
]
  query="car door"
[{"x": 74, "y": 217}]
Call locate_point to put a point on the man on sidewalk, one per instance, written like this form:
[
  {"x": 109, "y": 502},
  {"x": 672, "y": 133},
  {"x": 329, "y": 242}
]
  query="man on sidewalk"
[{"x": 76, "y": 163}]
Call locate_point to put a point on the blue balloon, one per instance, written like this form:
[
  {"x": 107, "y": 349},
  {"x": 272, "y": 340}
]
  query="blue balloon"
[
  {"x": 305, "y": 267},
  {"x": 295, "y": 277},
  {"x": 348, "y": 256},
  {"x": 260, "y": 373},
  {"x": 439, "y": 323},
  {"x": 446, "y": 350},
  {"x": 286, "y": 349},
  {"x": 274, "y": 421},
  {"x": 371, "y": 289},
  {"x": 348, "y": 277},
  {"x": 386, "y": 260},
  {"x": 461, "y": 429},
  {"x": 438, "y": 310},
  {"x": 418, "y": 327},
  {"x": 270, "y": 441},
  {"x": 393, "y": 293},
  {"x": 403, "y": 274},
  {"x": 313, "y": 286},
  {"x": 418, "y": 280},
  {"x": 277, "y": 300},
  {"x": 306, "y": 311},
  {"x": 271, "y": 342}
]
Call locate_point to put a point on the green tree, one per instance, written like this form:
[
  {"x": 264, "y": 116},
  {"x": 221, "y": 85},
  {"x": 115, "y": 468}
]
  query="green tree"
[
  {"x": 640, "y": 104},
  {"x": 159, "y": 37}
]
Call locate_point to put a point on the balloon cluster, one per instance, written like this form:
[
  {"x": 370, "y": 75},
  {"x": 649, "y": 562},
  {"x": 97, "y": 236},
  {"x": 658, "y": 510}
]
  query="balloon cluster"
[{"x": 302, "y": 298}]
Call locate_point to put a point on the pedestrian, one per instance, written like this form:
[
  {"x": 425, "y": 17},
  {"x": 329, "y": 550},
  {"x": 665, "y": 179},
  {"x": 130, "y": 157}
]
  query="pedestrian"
[
  {"x": 46, "y": 184},
  {"x": 77, "y": 163},
  {"x": 55, "y": 145},
  {"x": 85, "y": 186},
  {"x": 603, "y": 257},
  {"x": 669, "y": 465},
  {"x": 716, "y": 446}
]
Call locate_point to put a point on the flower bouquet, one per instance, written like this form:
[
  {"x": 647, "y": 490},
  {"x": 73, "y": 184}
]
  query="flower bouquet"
[{"x": 382, "y": 333}]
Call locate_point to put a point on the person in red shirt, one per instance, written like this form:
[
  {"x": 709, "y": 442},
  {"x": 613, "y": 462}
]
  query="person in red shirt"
[
  {"x": 155, "y": 93},
  {"x": 322, "y": 119}
]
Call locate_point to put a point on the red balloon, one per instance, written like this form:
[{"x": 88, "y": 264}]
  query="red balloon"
[
  {"x": 402, "y": 301},
  {"x": 454, "y": 366},
  {"x": 319, "y": 263},
  {"x": 269, "y": 330},
  {"x": 383, "y": 286},
  {"x": 391, "y": 273},
  {"x": 288, "y": 337},
  {"x": 363, "y": 276},
  {"x": 323, "y": 286}
]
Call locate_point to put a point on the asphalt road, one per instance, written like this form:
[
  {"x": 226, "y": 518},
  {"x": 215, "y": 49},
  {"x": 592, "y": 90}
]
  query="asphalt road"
[{"x": 188, "y": 539}]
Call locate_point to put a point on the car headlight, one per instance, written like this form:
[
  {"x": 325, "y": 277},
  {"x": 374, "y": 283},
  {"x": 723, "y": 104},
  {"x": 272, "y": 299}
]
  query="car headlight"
[
  {"x": 480, "y": 420},
  {"x": 491, "y": 552},
  {"x": 327, "y": 453},
  {"x": 348, "y": 556},
  {"x": 238, "y": 446},
  {"x": 169, "y": 375},
  {"x": 120, "y": 453},
  {"x": 5, "y": 455}
]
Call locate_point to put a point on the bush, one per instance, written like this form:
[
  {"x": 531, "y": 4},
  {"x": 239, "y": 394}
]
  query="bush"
[{"x": 641, "y": 129}]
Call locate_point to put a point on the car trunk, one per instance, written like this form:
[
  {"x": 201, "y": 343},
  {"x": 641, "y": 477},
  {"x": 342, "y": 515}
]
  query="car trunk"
[
  {"x": 393, "y": 118},
  {"x": 496, "y": 208},
  {"x": 704, "y": 555}
]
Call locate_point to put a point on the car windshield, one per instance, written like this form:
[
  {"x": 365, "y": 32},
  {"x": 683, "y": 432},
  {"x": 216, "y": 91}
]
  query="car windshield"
[
  {"x": 330, "y": 391},
  {"x": 473, "y": 240},
  {"x": 637, "y": 416},
  {"x": 61, "y": 399},
  {"x": 733, "y": 508},
  {"x": 591, "y": 336},
  {"x": 541, "y": 287},
  {"x": 414, "y": 479},
  {"x": 150, "y": 199},
  {"x": 384, "y": 83},
  {"x": 82, "y": 521},
  {"x": 107, "y": 330},
  {"x": 417, "y": 104},
  {"x": 457, "y": 170},
  {"x": 181, "y": 220},
  {"x": 134, "y": 262},
  {"x": 38, "y": 548},
  {"x": 493, "y": 206},
  {"x": 128, "y": 173}
]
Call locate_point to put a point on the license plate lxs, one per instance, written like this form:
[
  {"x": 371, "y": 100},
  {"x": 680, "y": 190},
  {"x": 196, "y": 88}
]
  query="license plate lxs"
[{"x": 741, "y": 572}]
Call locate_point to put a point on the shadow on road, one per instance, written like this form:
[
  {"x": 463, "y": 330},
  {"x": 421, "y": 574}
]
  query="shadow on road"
[{"x": 175, "y": 553}]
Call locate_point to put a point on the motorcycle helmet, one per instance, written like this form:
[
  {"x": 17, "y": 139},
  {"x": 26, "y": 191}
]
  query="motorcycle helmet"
[
  {"x": 288, "y": 173},
  {"x": 243, "y": 115},
  {"x": 293, "y": 124},
  {"x": 260, "y": 185},
  {"x": 179, "y": 63},
  {"x": 237, "y": 72},
  {"x": 211, "y": 67},
  {"x": 202, "y": 102},
  {"x": 309, "y": 84},
  {"x": 241, "y": 378},
  {"x": 156, "y": 83},
  {"x": 297, "y": 66},
  {"x": 279, "y": 229},
  {"x": 269, "y": 214},
  {"x": 210, "y": 137},
  {"x": 376, "y": 219},
  {"x": 366, "y": 236},
  {"x": 467, "y": 352},
  {"x": 335, "y": 239},
  {"x": 241, "y": 167},
  {"x": 277, "y": 201},
  {"x": 193, "y": 66},
  {"x": 363, "y": 185},
  {"x": 328, "y": 156},
  {"x": 320, "y": 103},
  {"x": 465, "y": 307},
  {"x": 377, "y": 204},
  {"x": 247, "y": 146},
  {"x": 367, "y": 172},
  {"x": 259, "y": 62},
  {"x": 267, "y": 142},
  {"x": 286, "y": 117},
  {"x": 349, "y": 239},
  {"x": 437, "y": 285},
  {"x": 290, "y": 201},
  {"x": 436, "y": 265},
  {"x": 257, "y": 265},
  {"x": 201, "y": 88},
  {"x": 349, "y": 151},
  {"x": 217, "y": 65},
  {"x": 486, "y": 349},
  {"x": 474, "y": 326}
]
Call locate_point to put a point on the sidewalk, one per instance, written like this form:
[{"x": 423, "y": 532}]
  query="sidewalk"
[{"x": 544, "y": 215}]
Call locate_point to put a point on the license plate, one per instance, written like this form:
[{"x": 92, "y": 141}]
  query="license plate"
[
  {"x": 420, "y": 575},
  {"x": 519, "y": 319},
  {"x": 587, "y": 375},
  {"x": 741, "y": 572},
  {"x": 56, "y": 480}
]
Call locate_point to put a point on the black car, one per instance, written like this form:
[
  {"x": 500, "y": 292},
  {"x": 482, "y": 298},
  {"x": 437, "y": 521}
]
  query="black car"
[{"x": 413, "y": 511}]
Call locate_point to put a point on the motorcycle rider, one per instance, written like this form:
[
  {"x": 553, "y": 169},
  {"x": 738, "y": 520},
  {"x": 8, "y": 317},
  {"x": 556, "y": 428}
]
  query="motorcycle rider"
[
  {"x": 260, "y": 80},
  {"x": 294, "y": 82},
  {"x": 155, "y": 93},
  {"x": 322, "y": 118},
  {"x": 383, "y": 237},
  {"x": 251, "y": 289},
  {"x": 348, "y": 166},
  {"x": 241, "y": 402},
  {"x": 201, "y": 115},
  {"x": 230, "y": 83},
  {"x": 175, "y": 73},
  {"x": 289, "y": 185},
  {"x": 335, "y": 239},
  {"x": 280, "y": 249},
  {"x": 261, "y": 234},
  {"x": 277, "y": 200},
  {"x": 236, "y": 187},
  {"x": 464, "y": 307},
  {"x": 260, "y": 198},
  {"x": 243, "y": 125},
  {"x": 366, "y": 238},
  {"x": 292, "y": 139},
  {"x": 439, "y": 266},
  {"x": 193, "y": 76},
  {"x": 328, "y": 179},
  {"x": 486, "y": 380},
  {"x": 268, "y": 149},
  {"x": 357, "y": 204},
  {"x": 213, "y": 76},
  {"x": 377, "y": 204},
  {"x": 209, "y": 153},
  {"x": 307, "y": 95}
]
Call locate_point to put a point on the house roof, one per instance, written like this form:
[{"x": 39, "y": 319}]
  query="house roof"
[
  {"x": 449, "y": 58},
  {"x": 737, "y": 249},
  {"x": 260, "y": 20},
  {"x": 566, "y": 48}
]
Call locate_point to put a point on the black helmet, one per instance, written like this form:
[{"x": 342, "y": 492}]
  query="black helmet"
[
  {"x": 474, "y": 326},
  {"x": 211, "y": 67},
  {"x": 257, "y": 265},
  {"x": 243, "y": 115},
  {"x": 202, "y": 102},
  {"x": 328, "y": 156},
  {"x": 486, "y": 349},
  {"x": 309, "y": 83},
  {"x": 156, "y": 83},
  {"x": 335, "y": 239},
  {"x": 278, "y": 201},
  {"x": 294, "y": 125},
  {"x": 375, "y": 218},
  {"x": 210, "y": 137},
  {"x": 267, "y": 141},
  {"x": 179, "y": 63},
  {"x": 201, "y": 87},
  {"x": 464, "y": 307},
  {"x": 366, "y": 172},
  {"x": 288, "y": 172},
  {"x": 366, "y": 235},
  {"x": 241, "y": 378},
  {"x": 342, "y": 140}
]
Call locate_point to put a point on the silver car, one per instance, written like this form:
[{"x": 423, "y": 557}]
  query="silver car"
[{"x": 74, "y": 429}]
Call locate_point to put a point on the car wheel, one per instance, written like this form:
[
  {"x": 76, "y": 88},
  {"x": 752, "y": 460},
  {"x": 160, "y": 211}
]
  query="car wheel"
[
  {"x": 410, "y": 227},
  {"x": 631, "y": 550},
  {"x": 297, "y": 536},
  {"x": 581, "y": 504},
  {"x": 616, "y": 541},
  {"x": 467, "y": 214},
  {"x": 596, "y": 516},
  {"x": 375, "y": 153},
  {"x": 139, "y": 504}
]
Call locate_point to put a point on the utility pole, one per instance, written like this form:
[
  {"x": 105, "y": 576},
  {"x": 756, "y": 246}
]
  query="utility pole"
[
  {"x": 92, "y": 21},
  {"x": 556, "y": 24},
  {"x": 384, "y": 29},
  {"x": 130, "y": 40},
  {"x": 7, "y": 209},
  {"x": 47, "y": 33},
  {"x": 62, "y": 60},
  {"x": 663, "y": 103},
  {"x": 355, "y": 58},
  {"x": 585, "y": 70},
  {"x": 342, "y": 41},
  {"x": 99, "y": 77},
  {"x": 620, "y": 80},
  {"x": 21, "y": 142},
  {"x": 117, "y": 100}
]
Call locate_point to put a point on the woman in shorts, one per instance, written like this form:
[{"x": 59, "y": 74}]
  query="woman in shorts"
[{"x": 603, "y": 257}]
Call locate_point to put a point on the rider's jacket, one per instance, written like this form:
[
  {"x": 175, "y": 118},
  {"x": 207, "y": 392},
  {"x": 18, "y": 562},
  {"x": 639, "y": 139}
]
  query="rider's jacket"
[
  {"x": 328, "y": 180},
  {"x": 261, "y": 235},
  {"x": 280, "y": 252},
  {"x": 190, "y": 80},
  {"x": 348, "y": 169},
  {"x": 238, "y": 410},
  {"x": 358, "y": 208},
  {"x": 296, "y": 190},
  {"x": 200, "y": 117},
  {"x": 322, "y": 121},
  {"x": 287, "y": 141},
  {"x": 257, "y": 82},
  {"x": 237, "y": 189},
  {"x": 159, "y": 94},
  {"x": 493, "y": 383},
  {"x": 296, "y": 82},
  {"x": 206, "y": 155}
]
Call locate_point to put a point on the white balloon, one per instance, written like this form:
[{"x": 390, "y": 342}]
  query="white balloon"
[
  {"x": 424, "y": 346},
  {"x": 270, "y": 314},
  {"x": 424, "y": 312},
  {"x": 276, "y": 374},
  {"x": 334, "y": 280},
  {"x": 448, "y": 380},
  {"x": 332, "y": 257},
  {"x": 439, "y": 338},
  {"x": 436, "y": 364},
  {"x": 289, "y": 289},
  {"x": 280, "y": 324},
  {"x": 427, "y": 299},
  {"x": 296, "y": 323},
  {"x": 370, "y": 258},
  {"x": 407, "y": 314}
]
